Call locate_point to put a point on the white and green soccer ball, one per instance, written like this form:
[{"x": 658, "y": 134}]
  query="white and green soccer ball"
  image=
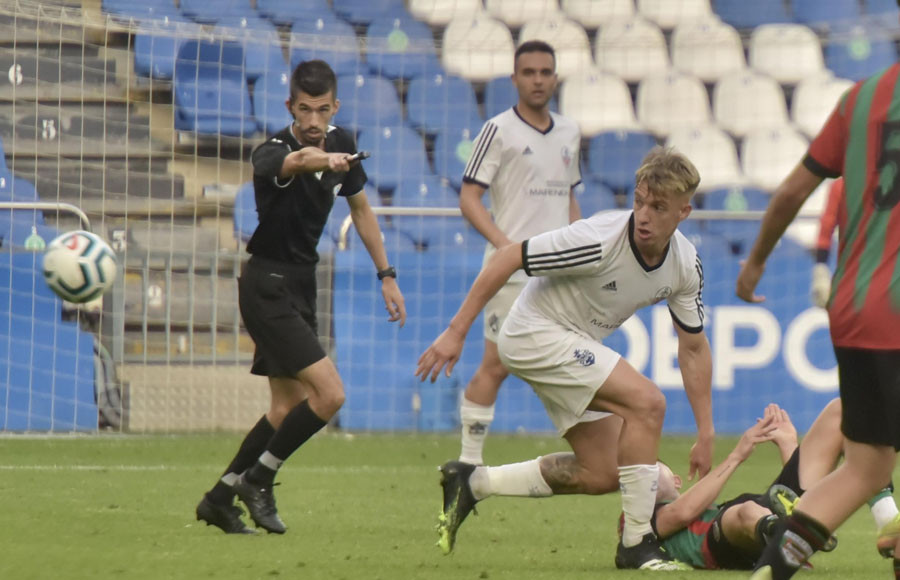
[{"x": 79, "y": 266}]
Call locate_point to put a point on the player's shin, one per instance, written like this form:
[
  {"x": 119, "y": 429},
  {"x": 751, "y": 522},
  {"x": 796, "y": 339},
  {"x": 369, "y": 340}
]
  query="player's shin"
[
  {"x": 476, "y": 421},
  {"x": 638, "y": 484},
  {"x": 515, "y": 479},
  {"x": 798, "y": 538}
]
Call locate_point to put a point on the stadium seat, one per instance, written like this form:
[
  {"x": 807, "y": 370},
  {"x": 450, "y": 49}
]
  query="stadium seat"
[
  {"x": 207, "y": 12},
  {"x": 397, "y": 152},
  {"x": 441, "y": 12},
  {"x": 156, "y": 44},
  {"x": 632, "y": 49},
  {"x": 141, "y": 11},
  {"x": 19, "y": 189},
  {"x": 568, "y": 39},
  {"x": 431, "y": 232},
  {"x": 500, "y": 94},
  {"x": 363, "y": 12},
  {"x": 713, "y": 153},
  {"x": 670, "y": 13},
  {"x": 438, "y": 102},
  {"x": 598, "y": 102},
  {"x": 594, "y": 196},
  {"x": 210, "y": 89},
  {"x": 786, "y": 52},
  {"x": 260, "y": 40},
  {"x": 814, "y": 99},
  {"x": 817, "y": 13},
  {"x": 245, "y": 217},
  {"x": 269, "y": 93},
  {"x": 367, "y": 102},
  {"x": 736, "y": 198},
  {"x": 401, "y": 48},
  {"x": 614, "y": 156},
  {"x": 284, "y": 12},
  {"x": 769, "y": 155},
  {"x": 886, "y": 9},
  {"x": 671, "y": 101},
  {"x": 597, "y": 13},
  {"x": 424, "y": 191},
  {"x": 708, "y": 49},
  {"x": 859, "y": 52},
  {"x": 20, "y": 233},
  {"x": 452, "y": 149},
  {"x": 748, "y": 100},
  {"x": 478, "y": 48},
  {"x": 327, "y": 38},
  {"x": 515, "y": 13},
  {"x": 748, "y": 15}
]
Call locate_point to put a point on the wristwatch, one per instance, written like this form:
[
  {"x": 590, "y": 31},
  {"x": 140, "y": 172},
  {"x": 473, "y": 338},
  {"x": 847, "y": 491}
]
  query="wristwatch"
[{"x": 388, "y": 272}]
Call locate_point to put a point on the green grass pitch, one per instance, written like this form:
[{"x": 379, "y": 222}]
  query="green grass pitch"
[{"x": 363, "y": 507}]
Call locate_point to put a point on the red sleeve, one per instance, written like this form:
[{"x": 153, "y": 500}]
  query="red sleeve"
[
  {"x": 829, "y": 219},
  {"x": 825, "y": 156}
]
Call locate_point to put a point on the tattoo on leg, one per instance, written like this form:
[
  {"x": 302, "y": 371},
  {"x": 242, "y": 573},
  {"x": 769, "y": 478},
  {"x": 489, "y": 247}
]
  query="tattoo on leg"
[{"x": 562, "y": 473}]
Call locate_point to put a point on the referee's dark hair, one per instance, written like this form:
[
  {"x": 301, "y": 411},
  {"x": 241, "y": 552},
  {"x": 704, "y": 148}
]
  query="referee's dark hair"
[
  {"x": 313, "y": 77},
  {"x": 538, "y": 46}
]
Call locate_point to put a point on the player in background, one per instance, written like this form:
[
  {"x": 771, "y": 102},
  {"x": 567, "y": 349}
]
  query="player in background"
[
  {"x": 820, "y": 288},
  {"x": 297, "y": 176},
  {"x": 528, "y": 158},
  {"x": 587, "y": 279},
  {"x": 733, "y": 534},
  {"x": 859, "y": 142}
]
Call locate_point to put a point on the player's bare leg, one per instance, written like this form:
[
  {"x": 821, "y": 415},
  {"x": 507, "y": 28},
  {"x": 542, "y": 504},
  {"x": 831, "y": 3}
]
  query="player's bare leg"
[
  {"x": 477, "y": 409},
  {"x": 740, "y": 525},
  {"x": 591, "y": 468}
]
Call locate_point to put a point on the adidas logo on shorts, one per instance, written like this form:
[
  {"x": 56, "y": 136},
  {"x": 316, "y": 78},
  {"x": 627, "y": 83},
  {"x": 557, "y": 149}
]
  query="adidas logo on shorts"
[{"x": 611, "y": 286}]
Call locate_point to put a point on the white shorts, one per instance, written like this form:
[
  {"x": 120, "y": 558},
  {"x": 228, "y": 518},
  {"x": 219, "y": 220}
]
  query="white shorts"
[
  {"x": 565, "y": 368},
  {"x": 498, "y": 307}
]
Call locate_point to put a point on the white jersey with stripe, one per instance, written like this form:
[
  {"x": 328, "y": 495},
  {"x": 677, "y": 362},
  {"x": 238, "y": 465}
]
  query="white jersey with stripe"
[
  {"x": 528, "y": 172},
  {"x": 590, "y": 278}
]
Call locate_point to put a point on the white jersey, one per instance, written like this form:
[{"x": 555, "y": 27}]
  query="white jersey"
[
  {"x": 529, "y": 173},
  {"x": 589, "y": 277}
]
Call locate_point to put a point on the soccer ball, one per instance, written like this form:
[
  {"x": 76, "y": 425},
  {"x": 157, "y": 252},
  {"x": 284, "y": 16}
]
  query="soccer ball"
[{"x": 79, "y": 266}]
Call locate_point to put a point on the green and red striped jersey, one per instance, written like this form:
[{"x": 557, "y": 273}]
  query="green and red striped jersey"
[{"x": 861, "y": 142}]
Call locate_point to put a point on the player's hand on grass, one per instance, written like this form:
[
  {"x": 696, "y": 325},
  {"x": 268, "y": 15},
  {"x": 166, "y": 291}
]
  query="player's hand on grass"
[
  {"x": 747, "y": 281},
  {"x": 700, "y": 457},
  {"x": 445, "y": 350},
  {"x": 784, "y": 434},
  {"x": 758, "y": 433},
  {"x": 393, "y": 300}
]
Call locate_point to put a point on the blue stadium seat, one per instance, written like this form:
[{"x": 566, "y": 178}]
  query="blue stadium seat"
[
  {"x": 245, "y": 217},
  {"x": 208, "y": 12},
  {"x": 284, "y": 12},
  {"x": 500, "y": 94},
  {"x": 401, "y": 48},
  {"x": 269, "y": 93},
  {"x": 736, "y": 199},
  {"x": 748, "y": 15},
  {"x": 260, "y": 40},
  {"x": 614, "y": 156},
  {"x": 436, "y": 102},
  {"x": 452, "y": 149},
  {"x": 396, "y": 153},
  {"x": 367, "y": 102},
  {"x": 594, "y": 196},
  {"x": 424, "y": 191},
  {"x": 328, "y": 38},
  {"x": 14, "y": 233},
  {"x": 817, "y": 13},
  {"x": 18, "y": 189},
  {"x": 881, "y": 8},
  {"x": 363, "y": 12},
  {"x": 156, "y": 45},
  {"x": 859, "y": 52},
  {"x": 210, "y": 89},
  {"x": 141, "y": 11}
]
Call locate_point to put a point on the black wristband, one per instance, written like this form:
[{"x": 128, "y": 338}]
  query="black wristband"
[{"x": 388, "y": 272}]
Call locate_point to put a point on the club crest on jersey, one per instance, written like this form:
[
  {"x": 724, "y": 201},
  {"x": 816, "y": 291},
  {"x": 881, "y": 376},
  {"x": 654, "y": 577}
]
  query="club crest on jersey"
[
  {"x": 584, "y": 357},
  {"x": 566, "y": 156},
  {"x": 662, "y": 294}
]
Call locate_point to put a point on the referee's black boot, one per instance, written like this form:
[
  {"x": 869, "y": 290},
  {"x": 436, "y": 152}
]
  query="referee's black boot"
[
  {"x": 260, "y": 503},
  {"x": 225, "y": 517}
]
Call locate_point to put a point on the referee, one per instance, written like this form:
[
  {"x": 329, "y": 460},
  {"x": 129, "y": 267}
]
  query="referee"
[{"x": 297, "y": 175}]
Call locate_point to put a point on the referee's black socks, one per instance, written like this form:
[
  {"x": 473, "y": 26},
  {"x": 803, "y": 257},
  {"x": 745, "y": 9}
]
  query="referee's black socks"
[
  {"x": 251, "y": 448},
  {"x": 298, "y": 426},
  {"x": 800, "y": 537}
]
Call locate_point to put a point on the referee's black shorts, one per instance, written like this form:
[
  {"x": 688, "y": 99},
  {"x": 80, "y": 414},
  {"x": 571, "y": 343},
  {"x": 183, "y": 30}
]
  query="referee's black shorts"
[
  {"x": 870, "y": 395},
  {"x": 278, "y": 305}
]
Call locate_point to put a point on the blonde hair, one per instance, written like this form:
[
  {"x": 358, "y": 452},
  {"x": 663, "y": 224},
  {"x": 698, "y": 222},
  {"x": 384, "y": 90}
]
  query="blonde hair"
[{"x": 668, "y": 172}]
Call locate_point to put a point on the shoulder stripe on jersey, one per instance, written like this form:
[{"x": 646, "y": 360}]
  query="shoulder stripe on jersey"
[
  {"x": 559, "y": 265},
  {"x": 596, "y": 246},
  {"x": 565, "y": 258},
  {"x": 699, "y": 299},
  {"x": 481, "y": 148}
]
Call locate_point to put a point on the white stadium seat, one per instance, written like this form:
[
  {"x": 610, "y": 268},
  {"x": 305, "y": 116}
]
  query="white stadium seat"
[
  {"x": 672, "y": 101},
  {"x": 814, "y": 99},
  {"x": 769, "y": 155},
  {"x": 478, "y": 48},
  {"x": 594, "y": 13},
  {"x": 441, "y": 12},
  {"x": 598, "y": 102},
  {"x": 708, "y": 49},
  {"x": 748, "y": 100},
  {"x": 670, "y": 13},
  {"x": 631, "y": 49},
  {"x": 786, "y": 52},
  {"x": 515, "y": 13},
  {"x": 568, "y": 39},
  {"x": 712, "y": 152}
]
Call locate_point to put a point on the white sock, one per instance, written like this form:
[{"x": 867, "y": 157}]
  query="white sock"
[
  {"x": 884, "y": 510},
  {"x": 270, "y": 461},
  {"x": 229, "y": 479},
  {"x": 638, "y": 484},
  {"x": 476, "y": 420},
  {"x": 516, "y": 479}
]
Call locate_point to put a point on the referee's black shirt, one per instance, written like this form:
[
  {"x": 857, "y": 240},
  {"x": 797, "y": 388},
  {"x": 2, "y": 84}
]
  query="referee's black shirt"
[{"x": 292, "y": 213}]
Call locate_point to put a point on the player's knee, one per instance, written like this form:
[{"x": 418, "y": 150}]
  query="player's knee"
[
  {"x": 332, "y": 400},
  {"x": 650, "y": 405},
  {"x": 493, "y": 371}
]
